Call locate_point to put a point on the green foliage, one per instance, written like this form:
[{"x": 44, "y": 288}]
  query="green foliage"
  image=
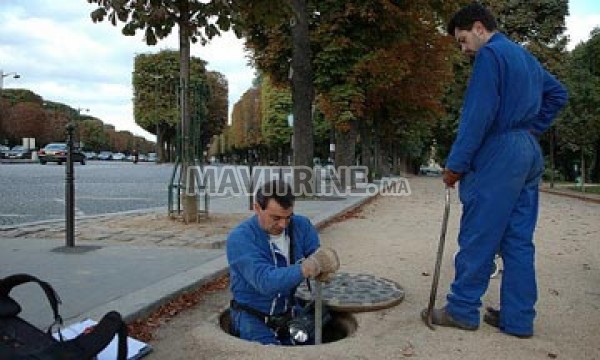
[
  {"x": 20, "y": 95},
  {"x": 95, "y": 136},
  {"x": 276, "y": 105},
  {"x": 374, "y": 61},
  {"x": 579, "y": 128},
  {"x": 539, "y": 25},
  {"x": 156, "y": 90},
  {"x": 201, "y": 20}
]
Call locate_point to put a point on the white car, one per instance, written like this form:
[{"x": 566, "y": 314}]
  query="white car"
[{"x": 118, "y": 156}]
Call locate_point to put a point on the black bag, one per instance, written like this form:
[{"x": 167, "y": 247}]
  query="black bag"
[{"x": 20, "y": 340}]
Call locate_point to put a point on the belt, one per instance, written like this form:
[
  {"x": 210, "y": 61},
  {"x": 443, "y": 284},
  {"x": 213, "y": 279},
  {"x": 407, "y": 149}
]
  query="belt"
[{"x": 275, "y": 322}]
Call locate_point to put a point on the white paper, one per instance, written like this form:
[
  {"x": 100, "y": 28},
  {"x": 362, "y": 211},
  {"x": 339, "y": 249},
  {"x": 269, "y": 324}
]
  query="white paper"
[{"x": 135, "y": 348}]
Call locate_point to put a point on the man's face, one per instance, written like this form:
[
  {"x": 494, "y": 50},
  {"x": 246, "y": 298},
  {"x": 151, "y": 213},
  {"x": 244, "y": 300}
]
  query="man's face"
[
  {"x": 471, "y": 41},
  {"x": 274, "y": 218}
]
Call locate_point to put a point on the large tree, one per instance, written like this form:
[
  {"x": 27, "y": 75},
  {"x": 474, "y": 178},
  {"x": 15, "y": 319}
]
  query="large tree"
[
  {"x": 156, "y": 95},
  {"x": 579, "y": 127},
  {"x": 196, "y": 21},
  {"x": 361, "y": 51}
]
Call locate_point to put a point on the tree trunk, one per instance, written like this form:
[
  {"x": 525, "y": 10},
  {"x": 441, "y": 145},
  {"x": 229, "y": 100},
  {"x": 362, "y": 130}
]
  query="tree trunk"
[
  {"x": 583, "y": 170},
  {"x": 345, "y": 152},
  {"x": 160, "y": 145},
  {"x": 595, "y": 175},
  {"x": 188, "y": 185},
  {"x": 302, "y": 89}
]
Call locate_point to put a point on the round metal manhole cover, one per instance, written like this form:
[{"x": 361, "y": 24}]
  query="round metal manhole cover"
[{"x": 356, "y": 292}]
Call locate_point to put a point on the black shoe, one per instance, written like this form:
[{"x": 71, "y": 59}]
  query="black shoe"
[{"x": 492, "y": 317}]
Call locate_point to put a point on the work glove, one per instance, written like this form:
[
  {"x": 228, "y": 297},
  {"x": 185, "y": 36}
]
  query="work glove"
[{"x": 321, "y": 264}]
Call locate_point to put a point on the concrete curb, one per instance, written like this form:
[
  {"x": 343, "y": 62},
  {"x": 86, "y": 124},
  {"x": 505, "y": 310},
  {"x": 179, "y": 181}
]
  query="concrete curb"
[
  {"x": 589, "y": 198},
  {"x": 83, "y": 218},
  {"x": 141, "y": 303}
]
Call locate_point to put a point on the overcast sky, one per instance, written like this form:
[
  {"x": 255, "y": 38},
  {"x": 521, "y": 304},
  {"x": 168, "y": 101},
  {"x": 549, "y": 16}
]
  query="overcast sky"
[{"x": 64, "y": 57}]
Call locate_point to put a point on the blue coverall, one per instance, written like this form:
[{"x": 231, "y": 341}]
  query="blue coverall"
[
  {"x": 510, "y": 100},
  {"x": 260, "y": 277}
]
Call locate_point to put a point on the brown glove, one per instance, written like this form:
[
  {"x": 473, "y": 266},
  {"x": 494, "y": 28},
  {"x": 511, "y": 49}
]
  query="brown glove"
[{"x": 321, "y": 264}]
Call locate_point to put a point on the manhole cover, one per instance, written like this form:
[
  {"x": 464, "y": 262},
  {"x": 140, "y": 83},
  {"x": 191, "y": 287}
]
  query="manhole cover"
[{"x": 356, "y": 292}]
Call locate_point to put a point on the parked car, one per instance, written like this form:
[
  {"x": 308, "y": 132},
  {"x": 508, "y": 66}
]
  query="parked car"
[
  {"x": 119, "y": 156},
  {"x": 57, "y": 152},
  {"x": 430, "y": 170},
  {"x": 90, "y": 155},
  {"x": 17, "y": 152},
  {"x": 152, "y": 157},
  {"x": 105, "y": 155},
  {"x": 3, "y": 149}
]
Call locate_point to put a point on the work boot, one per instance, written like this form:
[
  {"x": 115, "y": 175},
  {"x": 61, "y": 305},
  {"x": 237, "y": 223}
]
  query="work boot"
[
  {"x": 492, "y": 317},
  {"x": 442, "y": 318}
]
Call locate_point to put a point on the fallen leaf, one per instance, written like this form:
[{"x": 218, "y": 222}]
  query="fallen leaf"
[{"x": 408, "y": 350}]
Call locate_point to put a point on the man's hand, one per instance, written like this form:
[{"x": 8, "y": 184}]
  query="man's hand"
[
  {"x": 321, "y": 264},
  {"x": 450, "y": 177}
]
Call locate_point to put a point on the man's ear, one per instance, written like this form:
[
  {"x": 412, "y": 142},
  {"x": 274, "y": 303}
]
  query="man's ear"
[
  {"x": 479, "y": 28},
  {"x": 256, "y": 207}
]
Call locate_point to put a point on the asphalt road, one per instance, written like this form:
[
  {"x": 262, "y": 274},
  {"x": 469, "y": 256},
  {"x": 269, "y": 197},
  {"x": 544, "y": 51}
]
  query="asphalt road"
[
  {"x": 34, "y": 192},
  {"x": 31, "y": 192}
]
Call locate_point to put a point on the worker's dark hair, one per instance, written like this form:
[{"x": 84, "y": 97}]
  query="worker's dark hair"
[
  {"x": 277, "y": 190},
  {"x": 464, "y": 18}
]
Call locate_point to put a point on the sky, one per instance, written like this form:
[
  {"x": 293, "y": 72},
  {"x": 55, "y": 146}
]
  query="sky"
[{"x": 63, "y": 56}]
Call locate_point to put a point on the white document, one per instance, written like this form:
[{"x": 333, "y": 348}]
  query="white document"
[{"x": 135, "y": 348}]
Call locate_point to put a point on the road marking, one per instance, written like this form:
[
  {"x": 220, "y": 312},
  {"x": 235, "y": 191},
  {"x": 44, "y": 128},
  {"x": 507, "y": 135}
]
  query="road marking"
[
  {"x": 112, "y": 198},
  {"x": 77, "y": 211}
]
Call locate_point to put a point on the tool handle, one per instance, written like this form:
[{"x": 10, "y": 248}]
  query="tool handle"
[{"x": 438, "y": 262}]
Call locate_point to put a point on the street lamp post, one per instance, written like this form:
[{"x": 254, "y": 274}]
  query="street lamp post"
[
  {"x": 70, "y": 190},
  {"x": 3, "y": 75},
  {"x": 13, "y": 74}
]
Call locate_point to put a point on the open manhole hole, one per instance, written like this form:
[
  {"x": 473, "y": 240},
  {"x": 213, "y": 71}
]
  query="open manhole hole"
[
  {"x": 345, "y": 294},
  {"x": 339, "y": 327}
]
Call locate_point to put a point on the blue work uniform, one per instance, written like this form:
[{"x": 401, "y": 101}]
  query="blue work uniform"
[
  {"x": 510, "y": 100},
  {"x": 260, "y": 276}
]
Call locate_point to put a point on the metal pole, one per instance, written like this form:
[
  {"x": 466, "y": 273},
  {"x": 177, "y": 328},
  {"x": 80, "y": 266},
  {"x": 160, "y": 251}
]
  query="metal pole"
[
  {"x": 250, "y": 182},
  {"x": 2, "y": 76},
  {"x": 318, "y": 313},
  {"x": 70, "y": 190},
  {"x": 438, "y": 261}
]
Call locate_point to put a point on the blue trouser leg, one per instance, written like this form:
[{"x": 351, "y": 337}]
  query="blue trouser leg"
[
  {"x": 252, "y": 328},
  {"x": 482, "y": 222},
  {"x": 518, "y": 292},
  {"x": 489, "y": 195}
]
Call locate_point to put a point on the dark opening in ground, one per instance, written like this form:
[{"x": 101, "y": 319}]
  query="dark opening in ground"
[{"x": 340, "y": 326}]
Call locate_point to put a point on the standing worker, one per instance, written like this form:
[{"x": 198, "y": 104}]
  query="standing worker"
[{"x": 510, "y": 101}]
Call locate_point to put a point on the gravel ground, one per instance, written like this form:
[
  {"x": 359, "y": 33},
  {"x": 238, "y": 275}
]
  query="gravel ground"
[{"x": 396, "y": 238}]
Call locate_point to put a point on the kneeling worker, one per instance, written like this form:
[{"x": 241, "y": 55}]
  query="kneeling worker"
[{"x": 269, "y": 255}]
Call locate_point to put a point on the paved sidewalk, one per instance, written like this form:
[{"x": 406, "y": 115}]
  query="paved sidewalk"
[{"x": 131, "y": 270}]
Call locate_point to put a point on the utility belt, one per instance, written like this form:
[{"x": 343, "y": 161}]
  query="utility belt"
[{"x": 278, "y": 323}]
